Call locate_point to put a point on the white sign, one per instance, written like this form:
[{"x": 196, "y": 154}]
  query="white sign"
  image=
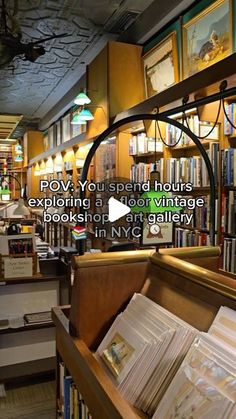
[{"x": 18, "y": 267}]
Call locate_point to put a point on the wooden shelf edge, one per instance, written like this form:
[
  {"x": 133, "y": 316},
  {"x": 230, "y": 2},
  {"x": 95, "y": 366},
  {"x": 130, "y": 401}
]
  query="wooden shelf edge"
[
  {"x": 100, "y": 394},
  {"x": 214, "y": 74},
  {"x": 37, "y": 326},
  {"x": 62, "y": 147}
]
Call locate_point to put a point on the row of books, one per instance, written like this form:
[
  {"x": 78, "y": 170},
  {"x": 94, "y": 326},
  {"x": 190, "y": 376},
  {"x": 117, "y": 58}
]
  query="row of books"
[
  {"x": 201, "y": 215},
  {"x": 141, "y": 172},
  {"x": 71, "y": 404},
  {"x": 174, "y": 134},
  {"x": 105, "y": 159},
  {"x": 193, "y": 169},
  {"x": 166, "y": 368},
  {"x": 184, "y": 237},
  {"x": 141, "y": 144},
  {"x": 228, "y": 219},
  {"x": 229, "y": 249},
  {"x": 228, "y": 160},
  {"x": 230, "y": 109}
]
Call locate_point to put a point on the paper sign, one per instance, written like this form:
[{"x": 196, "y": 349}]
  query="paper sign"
[{"x": 18, "y": 267}]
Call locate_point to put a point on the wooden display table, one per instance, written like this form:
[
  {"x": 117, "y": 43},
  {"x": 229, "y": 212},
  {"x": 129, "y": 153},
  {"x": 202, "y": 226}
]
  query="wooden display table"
[{"x": 188, "y": 290}]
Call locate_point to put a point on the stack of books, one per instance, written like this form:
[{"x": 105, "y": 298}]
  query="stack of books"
[
  {"x": 143, "y": 350},
  {"x": 38, "y": 318}
]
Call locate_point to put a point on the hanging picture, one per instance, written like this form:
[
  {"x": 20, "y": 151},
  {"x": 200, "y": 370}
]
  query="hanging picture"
[
  {"x": 161, "y": 66},
  {"x": 207, "y": 38}
]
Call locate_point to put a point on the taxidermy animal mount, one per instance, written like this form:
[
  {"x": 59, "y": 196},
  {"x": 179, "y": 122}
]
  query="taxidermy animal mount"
[{"x": 11, "y": 44}]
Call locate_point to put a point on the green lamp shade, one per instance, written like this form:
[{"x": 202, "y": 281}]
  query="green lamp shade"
[
  {"x": 77, "y": 121},
  {"x": 82, "y": 99},
  {"x": 85, "y": 115},
  {"x": 5, "y": 191},
  {"x": 152, "y": 208},
  {"x": 18, "y": 158}
]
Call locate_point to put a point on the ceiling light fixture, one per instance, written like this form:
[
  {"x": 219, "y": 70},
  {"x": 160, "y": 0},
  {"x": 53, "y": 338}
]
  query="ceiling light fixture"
[
  {"x": 78, "y": 121},
  {"x": 85, "y": 115},
  {"x": 82, "y": 99}
]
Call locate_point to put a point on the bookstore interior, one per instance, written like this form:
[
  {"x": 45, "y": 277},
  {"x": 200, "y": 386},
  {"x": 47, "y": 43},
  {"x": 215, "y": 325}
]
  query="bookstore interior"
[{"x": 117, "y": 209}]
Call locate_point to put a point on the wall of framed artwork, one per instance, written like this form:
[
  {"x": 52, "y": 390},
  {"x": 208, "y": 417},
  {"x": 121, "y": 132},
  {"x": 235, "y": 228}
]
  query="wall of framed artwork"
[
  {"x": 207, "y": 35},
  {"x": 202, "y": 14}
]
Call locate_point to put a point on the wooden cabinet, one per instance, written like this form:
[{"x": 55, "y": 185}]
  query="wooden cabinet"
[
  {"x": 30, "y": 349},
  {"x": 32, "y": 145}
]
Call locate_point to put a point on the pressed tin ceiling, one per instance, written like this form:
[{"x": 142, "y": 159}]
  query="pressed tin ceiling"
[
  {"x": 34, "y": 88},
  {"x": 8, "y": 124}
]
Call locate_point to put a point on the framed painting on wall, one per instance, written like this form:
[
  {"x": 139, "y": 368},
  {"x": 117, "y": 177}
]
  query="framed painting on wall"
[
  {"x": 161, "y": 66},
  {"x": 207, "y": 38}
]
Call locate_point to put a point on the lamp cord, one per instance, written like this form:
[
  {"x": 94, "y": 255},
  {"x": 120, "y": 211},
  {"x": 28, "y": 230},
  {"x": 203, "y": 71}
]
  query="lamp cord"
[{"x": 162, "y": 139}]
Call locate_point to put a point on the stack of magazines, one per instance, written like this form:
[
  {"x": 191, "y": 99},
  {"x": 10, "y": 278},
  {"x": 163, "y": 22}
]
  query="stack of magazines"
[{"x": 143, "y": 350}]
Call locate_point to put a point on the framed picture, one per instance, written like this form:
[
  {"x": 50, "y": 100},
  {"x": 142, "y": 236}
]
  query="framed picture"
[
  {"x": 207, "y": 38},
  {"x": 156, "y": 234},
  {"x": 161, "y": 66}
]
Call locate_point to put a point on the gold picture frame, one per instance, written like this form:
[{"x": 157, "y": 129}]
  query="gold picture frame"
[
  {"x": 214, "y": 27},
  {"x": 160, "y": 66}
]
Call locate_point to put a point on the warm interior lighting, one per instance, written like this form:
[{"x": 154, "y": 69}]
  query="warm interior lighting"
[
  {"x": 78, "y": 121},
  {"x": 85, "y": 115},
  {"x": 21, "y": 209},
  {"x": 82, "y": 99}
]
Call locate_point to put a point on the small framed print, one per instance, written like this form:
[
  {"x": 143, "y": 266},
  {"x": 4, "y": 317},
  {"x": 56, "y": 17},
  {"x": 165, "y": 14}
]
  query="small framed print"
[
  {"x": 156, "y": 234},
  {"x": 161, "y": 66},
  {"x": 205, "y": 128}
]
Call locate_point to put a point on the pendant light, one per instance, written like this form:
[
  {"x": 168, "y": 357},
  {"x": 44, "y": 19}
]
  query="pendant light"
[
  {"x": 18, "y": 158},
  {"x": 85, "y": 115},
  {"x": 21, "y": 209},
  {"x": 82, "y": 99},
  {"x": 77, "y": 121}
]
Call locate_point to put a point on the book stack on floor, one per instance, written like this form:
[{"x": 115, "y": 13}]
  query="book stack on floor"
[
  {"x": 143, "y": 350},
  {"x": 71, "y": 404},
  {"x": 205, "y": 384}
]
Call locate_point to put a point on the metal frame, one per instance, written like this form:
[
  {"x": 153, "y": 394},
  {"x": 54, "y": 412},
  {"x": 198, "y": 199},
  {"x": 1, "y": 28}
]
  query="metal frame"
[
  {"x": 164, "y": 117},
  {"x": 159, "y": 118}
]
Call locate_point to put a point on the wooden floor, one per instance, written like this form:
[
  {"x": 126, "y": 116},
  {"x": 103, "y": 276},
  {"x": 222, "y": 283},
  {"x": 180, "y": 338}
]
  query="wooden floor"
[{"x": 31, "y": 401}]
